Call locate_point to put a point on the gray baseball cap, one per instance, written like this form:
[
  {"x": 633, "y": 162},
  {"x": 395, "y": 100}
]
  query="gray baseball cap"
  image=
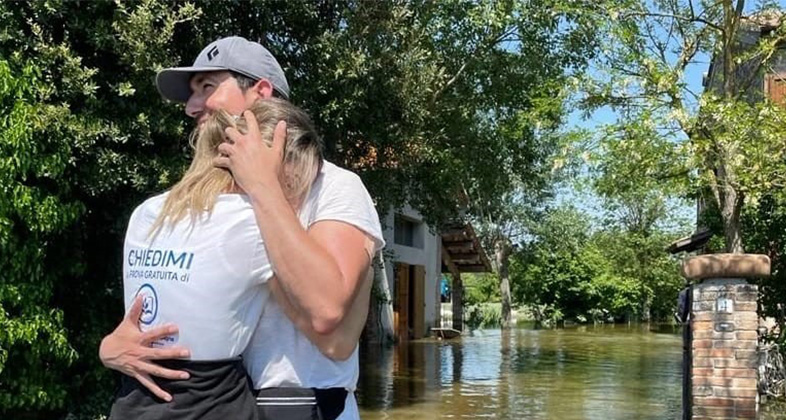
[{"x": 232, "y": 53}]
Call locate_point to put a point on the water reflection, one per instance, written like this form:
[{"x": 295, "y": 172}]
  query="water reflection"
[{"x": 605, "y": 372}]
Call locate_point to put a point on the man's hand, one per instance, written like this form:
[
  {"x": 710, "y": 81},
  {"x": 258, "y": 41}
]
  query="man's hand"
[
  {"x": 331, "y": 250},
  {"x": 127, "y": 349},
  {"x": 254, "y": 164}
]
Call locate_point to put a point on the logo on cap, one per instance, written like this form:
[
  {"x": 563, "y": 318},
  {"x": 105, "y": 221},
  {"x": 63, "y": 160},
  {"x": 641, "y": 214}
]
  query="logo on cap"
[{"x": 212, "y": 53}]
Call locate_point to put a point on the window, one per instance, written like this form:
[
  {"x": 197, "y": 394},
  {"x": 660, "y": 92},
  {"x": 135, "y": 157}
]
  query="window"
[
  {"x": 775, "y": 88},
  {"x": 407, "y": 232}
]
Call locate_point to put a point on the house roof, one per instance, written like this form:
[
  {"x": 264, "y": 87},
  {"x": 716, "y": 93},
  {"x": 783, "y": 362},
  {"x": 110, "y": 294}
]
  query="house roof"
[
  {"x": 767, "y": 20},
  {"x": 690, "y": 243},
  {"x": 462, "y": 252}
]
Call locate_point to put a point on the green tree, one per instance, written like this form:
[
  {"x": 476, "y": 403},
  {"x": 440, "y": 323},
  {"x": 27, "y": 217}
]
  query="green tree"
[
  {"x": 34, "y": 345},
  {"x": 501, "y": 224},
  {"x": 570, "y": 271},
  {"x": 481, "y": 288},
  {"x": 553, "y": 273},
  {"x": 727, "y": 140},
  {"x": 482, "y": 300},
  {"x": 517, "y": 180},
  {"x": 642, "y": 215},
  {"x": 651, "y": 275},
  {"x": 763, "y": 230},
  {"x": 78, "y": 153}
]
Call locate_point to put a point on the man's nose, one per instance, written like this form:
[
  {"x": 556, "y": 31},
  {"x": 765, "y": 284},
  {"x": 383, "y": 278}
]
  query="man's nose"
[{"x": 194, "y": 107}]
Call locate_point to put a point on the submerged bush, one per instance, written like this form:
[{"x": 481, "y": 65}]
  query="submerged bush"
[{"x": 484, "y": 315}]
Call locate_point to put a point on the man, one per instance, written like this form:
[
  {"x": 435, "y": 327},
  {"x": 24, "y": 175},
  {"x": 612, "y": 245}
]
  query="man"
[{"x": 303, "y": 355}]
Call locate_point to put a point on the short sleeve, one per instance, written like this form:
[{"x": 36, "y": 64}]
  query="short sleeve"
[
  {"x": 240, "y": 243},
  {"x": 344, "y": 198}
]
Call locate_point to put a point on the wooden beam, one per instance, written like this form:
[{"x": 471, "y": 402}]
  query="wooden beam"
[
  {"x": 464, "y": 249},
  {"x": 474, "y": 268},
  {"x": 455, "y": 247},
  {"x": 481, "y": 251},
  {"x": 464, "y": 256},
  {"x": 457, "y": 242},
  {"x": 455, "y": 237},
  {"x": 453, "y": 231},
  {"x": 449, "y": 262},
  {"x": 444, "y": 268},
  {"x": 457, "y": 298},
  {"x": 461, "y": 263}
]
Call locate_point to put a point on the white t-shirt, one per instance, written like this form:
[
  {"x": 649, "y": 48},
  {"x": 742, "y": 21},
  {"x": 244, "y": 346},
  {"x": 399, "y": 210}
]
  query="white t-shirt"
[
  {"x": 279, "y": 355},
  {"x": 207, "y": 277}
]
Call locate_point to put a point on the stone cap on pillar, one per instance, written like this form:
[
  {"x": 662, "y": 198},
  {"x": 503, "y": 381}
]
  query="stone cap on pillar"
[{"x": 716, "y": 266}]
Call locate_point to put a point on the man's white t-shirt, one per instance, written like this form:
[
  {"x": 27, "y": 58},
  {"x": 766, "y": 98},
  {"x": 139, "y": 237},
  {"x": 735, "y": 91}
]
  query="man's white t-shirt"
[
  {"x": 279, "y": 355},
  {"x": 207, "y": 277}
]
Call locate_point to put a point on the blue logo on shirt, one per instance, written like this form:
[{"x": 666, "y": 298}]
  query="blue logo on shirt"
[{"x": 149, "y": 304}]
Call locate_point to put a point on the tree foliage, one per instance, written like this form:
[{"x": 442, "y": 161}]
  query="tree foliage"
[
  {"x": 480, "y": 288},
  {"x": 528, "y": 135},
  {"x": 569, "y": 271},
  {"x": 722, "y": 144},
  {"x": 729, "y": 139},
  {"x": 34, "y": 345},
  {"x": 427, "y": 101}
]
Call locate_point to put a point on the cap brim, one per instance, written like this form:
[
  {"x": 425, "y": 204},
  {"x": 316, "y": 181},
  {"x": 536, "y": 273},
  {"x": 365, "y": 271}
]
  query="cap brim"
[{"x": 173, "y": 83}]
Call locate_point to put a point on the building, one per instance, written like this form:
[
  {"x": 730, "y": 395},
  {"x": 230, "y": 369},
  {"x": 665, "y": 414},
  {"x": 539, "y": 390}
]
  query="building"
[{"x": 415, "y": 259}]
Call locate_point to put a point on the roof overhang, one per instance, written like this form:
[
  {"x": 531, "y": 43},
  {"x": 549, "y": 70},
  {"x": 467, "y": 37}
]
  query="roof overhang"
[
  {"x": 690, "y": 243},
  {"x": 462, "y": 252}
]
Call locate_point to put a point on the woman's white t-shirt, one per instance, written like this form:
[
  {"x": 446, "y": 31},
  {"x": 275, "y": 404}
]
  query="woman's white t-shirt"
[{"x": 206, "y": 277}]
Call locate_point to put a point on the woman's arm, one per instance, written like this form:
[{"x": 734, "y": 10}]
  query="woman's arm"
[{"x": 127, "y": 350}]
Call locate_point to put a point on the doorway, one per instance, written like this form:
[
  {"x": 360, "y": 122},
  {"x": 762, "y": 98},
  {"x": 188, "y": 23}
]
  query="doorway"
[{"x": 409, "y": 306}]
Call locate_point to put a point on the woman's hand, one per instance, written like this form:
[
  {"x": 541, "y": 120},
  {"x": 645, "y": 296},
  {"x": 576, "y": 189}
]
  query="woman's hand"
[{"x": 127, "y": 349}]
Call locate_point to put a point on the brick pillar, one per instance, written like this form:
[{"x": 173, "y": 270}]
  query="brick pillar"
[
  {"x": 723, "y": 360},
  {"x": 724, "y": 356}
]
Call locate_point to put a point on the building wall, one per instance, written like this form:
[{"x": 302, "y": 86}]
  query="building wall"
[
  {"x": 429, "y": 256},
  {"x": 748, "y": 36}
]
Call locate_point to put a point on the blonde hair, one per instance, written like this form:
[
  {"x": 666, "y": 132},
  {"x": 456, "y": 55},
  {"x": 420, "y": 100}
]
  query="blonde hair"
[{"x": 197, "y": 191}]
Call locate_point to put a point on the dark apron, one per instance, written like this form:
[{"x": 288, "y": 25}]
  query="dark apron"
[{"x": 300, "y": 403}]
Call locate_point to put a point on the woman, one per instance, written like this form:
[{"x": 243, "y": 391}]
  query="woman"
[{"x": 196, "y": 256}]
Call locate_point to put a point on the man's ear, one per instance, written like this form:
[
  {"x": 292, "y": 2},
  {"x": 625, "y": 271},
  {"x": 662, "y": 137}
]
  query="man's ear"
[{"x": 263, "y": 88}]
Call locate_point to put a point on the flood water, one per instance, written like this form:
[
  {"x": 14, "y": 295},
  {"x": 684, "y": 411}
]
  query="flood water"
[{"x": 596, "y": 372}]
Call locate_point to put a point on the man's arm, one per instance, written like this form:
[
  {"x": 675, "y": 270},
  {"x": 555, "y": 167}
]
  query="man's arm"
[
  {"x": 127, "y": 350},
  {"x": 341, "y": 343},
  {"x": 320, "y": 271}
]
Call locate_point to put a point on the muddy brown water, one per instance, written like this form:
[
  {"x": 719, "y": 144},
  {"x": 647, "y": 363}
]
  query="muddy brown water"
[{"x": 600, "y": 372}]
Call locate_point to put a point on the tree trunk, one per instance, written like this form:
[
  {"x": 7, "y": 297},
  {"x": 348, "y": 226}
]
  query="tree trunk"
[
  {"x": 733, "y": 236},
  {"x": 731, "y": 202},
  {"x": 646, "y": 309},
  {"x": 502, "y": 251},
  {"x": 730, "y": 207},
  {"x": 457, "y": 296},
  {"x": 727, "y": 196}
]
